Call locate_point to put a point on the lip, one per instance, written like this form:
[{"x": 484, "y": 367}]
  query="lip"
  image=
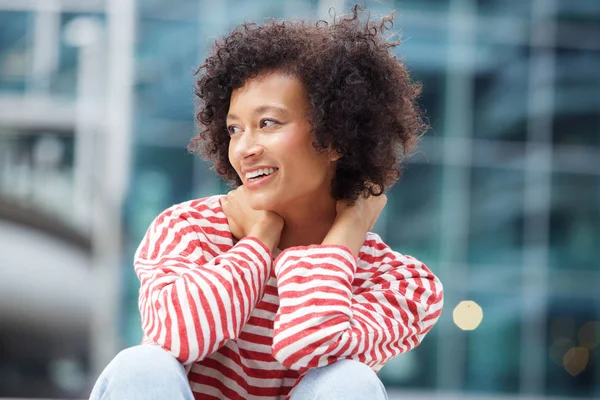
[{"x": 255, "y": 184}]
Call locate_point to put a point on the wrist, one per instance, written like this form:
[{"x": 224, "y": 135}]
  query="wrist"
[
  {"x": 267, "y": 234},
  {"x": 346, "y": 233},
  {"x": 352, "y": 222}
]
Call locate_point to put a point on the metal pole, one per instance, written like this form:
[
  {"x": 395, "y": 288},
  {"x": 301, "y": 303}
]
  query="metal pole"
[
  {"x": 113, "y": 179},
  {"x": 456, "y": 187},
  {"x": 87, "y": 35},
  {"x": 538, "y": 188}
]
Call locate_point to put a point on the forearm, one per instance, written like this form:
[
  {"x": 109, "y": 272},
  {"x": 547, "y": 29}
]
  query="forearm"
[
  {"x": 321, "y": 319},
  {"x": 192, "y": 309},
  {"x": 314, "y": 285},
  {"x": 267, "y": 235}
]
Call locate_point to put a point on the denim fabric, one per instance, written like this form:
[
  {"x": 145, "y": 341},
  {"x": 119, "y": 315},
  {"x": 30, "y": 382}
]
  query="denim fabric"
[
  {"x": 149, "y": 372},
  {"x": 143, "y": 372},
  {"x": 344, "y": 379}
]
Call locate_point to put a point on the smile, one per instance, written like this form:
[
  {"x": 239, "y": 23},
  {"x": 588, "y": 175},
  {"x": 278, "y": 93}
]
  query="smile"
[
  {"x": 258, "y": 179},
  {"x": 259, "y": 173}
]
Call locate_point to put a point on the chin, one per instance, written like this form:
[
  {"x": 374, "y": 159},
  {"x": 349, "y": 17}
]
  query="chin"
[{"x": 261, "y": 202}]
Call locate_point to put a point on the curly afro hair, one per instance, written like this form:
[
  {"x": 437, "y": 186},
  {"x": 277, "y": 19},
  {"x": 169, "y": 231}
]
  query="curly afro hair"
[{"x": 362, "y": 100}]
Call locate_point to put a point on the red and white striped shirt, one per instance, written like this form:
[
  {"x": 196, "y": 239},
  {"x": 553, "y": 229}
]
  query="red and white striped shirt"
[{"x": 248, "y": 325}]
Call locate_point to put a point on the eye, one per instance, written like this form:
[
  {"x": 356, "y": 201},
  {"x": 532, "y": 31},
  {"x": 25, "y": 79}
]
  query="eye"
[
  {"x": 266, "y": 123},
  {"x": 233, "y": 129}
]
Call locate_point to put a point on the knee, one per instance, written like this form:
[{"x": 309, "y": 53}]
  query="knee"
[
  {"x": 143, "y": 362},
  {"x": 346, "y": 379},
  {"x": 142, "y": 372}
]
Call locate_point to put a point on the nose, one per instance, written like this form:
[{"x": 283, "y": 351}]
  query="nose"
[{"x": 247, "y": 145}]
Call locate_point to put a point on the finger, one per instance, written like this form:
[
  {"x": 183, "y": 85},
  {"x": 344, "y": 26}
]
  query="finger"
[{"x": 224, "y": 205}]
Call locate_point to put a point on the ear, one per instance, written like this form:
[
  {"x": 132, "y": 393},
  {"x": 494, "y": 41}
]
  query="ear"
[{"x": 333, "y": 154}]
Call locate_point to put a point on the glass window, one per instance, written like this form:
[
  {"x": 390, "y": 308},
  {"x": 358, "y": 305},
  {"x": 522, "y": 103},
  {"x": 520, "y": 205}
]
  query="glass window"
[
  {"x": 431, "y": 100},
  {"x": 63, "y": 81},
  {"x": 416, "y": 5},
  {"x": 159, "y": 132},
  {"x": 37, "y": 170},
  {"x": 578, "y": 11},
  {"x": 171, "y": 10},
  {"x": 575, "y": 222},
  {"x": 493, "y": 348},
  {"x": 171, "y": 166},
  {"x": 239, "y": 11},
  {"x": 496, "y": 220},
  {"x": 410, "y": 223},
  {"x": 500, "y": 92},
  {"x": 576, "y": 118},
  {"x": 167, "y": 56},
  {"x": 573, "y": 337},
  {"x": 15, "y": 50},
  {"x": 504, "y": 8}
]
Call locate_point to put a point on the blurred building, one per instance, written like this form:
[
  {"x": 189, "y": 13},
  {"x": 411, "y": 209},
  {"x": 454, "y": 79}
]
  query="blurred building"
[{"x": 502, "y": 200}]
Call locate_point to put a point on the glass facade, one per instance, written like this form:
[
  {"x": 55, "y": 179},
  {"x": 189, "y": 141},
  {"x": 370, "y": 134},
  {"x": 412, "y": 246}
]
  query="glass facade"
[{"x": 502, "y": 199}]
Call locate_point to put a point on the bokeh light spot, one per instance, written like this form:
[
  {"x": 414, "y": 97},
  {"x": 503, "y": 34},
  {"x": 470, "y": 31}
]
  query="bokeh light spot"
[
  {"x": 575, "y": 360},
  {"x": 467, "y": 315}
]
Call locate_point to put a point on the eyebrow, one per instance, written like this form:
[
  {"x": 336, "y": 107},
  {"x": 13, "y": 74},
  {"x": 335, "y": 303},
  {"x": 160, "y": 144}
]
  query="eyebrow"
[{"x": 261, "y": 110}]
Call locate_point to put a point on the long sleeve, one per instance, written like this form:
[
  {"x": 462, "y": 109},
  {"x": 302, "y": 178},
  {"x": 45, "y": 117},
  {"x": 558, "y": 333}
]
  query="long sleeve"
[
  {"x": 196, "y": 291},
  {"x": 321, "y": 319}
]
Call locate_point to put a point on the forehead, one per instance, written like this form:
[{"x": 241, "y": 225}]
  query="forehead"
[{"x": 274, "y": 88}]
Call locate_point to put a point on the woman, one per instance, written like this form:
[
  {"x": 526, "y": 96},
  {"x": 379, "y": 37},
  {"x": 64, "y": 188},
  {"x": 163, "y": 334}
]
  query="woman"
[{"x": 278, "y": 289}]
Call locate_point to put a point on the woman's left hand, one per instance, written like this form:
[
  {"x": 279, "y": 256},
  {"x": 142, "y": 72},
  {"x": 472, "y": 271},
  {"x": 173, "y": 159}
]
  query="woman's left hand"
[
  {"x": 363, "y": 213},
  {"x": 353, "y": 222}
]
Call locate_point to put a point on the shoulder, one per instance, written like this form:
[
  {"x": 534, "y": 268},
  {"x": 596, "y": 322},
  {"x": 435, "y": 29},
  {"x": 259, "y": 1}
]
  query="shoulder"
[
  {"x": 200, "y": 217},
  {"x": 196, "y": 211},
  {"x": 188, "y": 227},
  {"x": 375, "y": 252},
  {"x": 379, "y": 264}
]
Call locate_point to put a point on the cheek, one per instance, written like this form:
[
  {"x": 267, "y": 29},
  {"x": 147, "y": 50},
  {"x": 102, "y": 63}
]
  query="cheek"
[
  {"x": 308, "y": 165},
  {"x": 293, "y": 139},
  {"x": 230, "y": 152},
  {"x": 299, "y": 156},
  {"x": 231, "y": 158}
]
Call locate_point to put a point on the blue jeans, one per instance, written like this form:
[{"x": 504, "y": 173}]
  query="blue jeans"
[{"x": 149, "y": 372}]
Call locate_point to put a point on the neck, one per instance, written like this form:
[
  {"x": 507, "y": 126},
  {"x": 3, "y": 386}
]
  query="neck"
[{"x": 307, "y": 225}]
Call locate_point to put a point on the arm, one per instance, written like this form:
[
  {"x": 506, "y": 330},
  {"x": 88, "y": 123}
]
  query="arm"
[
  {"x": 320, "y": 320},
  {"x": 193, "y": 298}
]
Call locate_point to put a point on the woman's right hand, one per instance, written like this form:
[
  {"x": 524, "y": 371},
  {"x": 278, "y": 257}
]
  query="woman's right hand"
[{"x": 244, "y": 221}]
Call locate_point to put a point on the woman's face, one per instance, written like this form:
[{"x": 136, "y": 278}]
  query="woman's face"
[{"x": 271, "y": 144}]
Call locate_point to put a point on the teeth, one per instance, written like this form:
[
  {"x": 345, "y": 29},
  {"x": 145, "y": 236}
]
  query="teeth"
[{"x": 261, "y": 171}]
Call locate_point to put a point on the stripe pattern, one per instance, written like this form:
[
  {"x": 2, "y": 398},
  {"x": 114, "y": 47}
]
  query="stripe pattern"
[{"x": 247, "y": 326}]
